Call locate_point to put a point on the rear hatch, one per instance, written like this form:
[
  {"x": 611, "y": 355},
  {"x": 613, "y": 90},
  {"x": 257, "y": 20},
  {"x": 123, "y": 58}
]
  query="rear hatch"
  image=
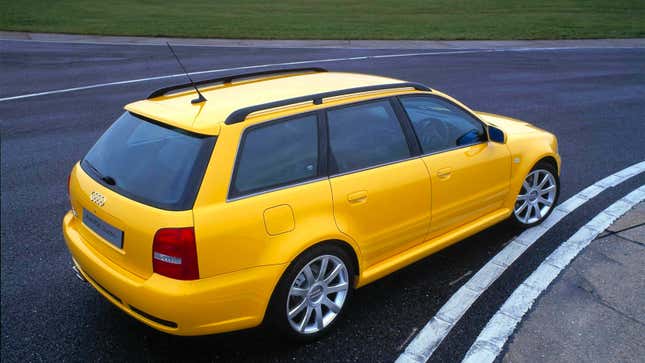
[{"x": 139, "y": 177}]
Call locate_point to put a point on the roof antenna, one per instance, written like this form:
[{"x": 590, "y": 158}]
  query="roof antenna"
[{"x": 201, "y": 97}]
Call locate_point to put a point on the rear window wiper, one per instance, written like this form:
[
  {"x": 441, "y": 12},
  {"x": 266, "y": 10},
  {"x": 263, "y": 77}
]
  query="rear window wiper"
[{"x": 106, "y": 178}]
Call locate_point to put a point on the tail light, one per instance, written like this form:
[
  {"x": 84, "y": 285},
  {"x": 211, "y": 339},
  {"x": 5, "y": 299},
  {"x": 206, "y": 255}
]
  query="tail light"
[{"x": 174, "y": 253}]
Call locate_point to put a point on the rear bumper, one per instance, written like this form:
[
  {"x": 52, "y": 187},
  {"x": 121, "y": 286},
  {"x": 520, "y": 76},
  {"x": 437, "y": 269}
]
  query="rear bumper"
[{"x": 217, "y": 304}]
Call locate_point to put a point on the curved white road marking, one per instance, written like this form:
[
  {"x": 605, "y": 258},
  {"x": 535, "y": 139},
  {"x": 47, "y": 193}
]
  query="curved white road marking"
[
  {"x": 433, "y": 333},
  {"x": 327, "y": 60},
  {"x": 492, "y": 338}
]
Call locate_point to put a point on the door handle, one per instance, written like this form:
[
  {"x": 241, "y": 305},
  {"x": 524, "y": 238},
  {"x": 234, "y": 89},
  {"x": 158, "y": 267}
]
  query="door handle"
[
  {"x": 357, "y": 197},
  {"x": 444, "y": 173}
]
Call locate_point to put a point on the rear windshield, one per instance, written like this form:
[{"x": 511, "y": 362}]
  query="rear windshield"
[{"x": 150, "y": 162}]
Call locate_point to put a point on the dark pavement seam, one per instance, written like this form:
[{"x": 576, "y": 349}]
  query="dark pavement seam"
[
  {"x": 631, "y": 240},
  {"x": 609, "y": 233},
  {"x": 591, "y": 290}
]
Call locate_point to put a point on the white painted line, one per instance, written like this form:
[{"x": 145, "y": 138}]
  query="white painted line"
[
  {"x": 312, "y": 61},
  {"x": 433, "y": 333},
  {"x": 468, "y": 273},
  {"x": 492, "y": 338},
  {"x": 328, "y": 60},
  {"x": 405, "y": 342}
]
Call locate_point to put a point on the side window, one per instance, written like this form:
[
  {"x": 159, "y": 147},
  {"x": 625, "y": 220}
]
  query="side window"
[
  {"x": 365, "y": 135},
  {"x": 277, "y": 154},
  {"x": 440, "y": 125}
]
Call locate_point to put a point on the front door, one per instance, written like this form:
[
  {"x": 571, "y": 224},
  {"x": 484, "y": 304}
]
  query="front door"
[{"x": 470, "y": 175}]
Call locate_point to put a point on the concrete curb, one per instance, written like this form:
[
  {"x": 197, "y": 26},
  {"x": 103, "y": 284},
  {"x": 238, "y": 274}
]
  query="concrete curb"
[{"x": 347, "y": 44}]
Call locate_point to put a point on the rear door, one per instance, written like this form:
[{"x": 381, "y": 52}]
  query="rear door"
[
  {"x": 381, "y": 190},
  {"x": 139, "y": 177},
  {"x": 470, "y": 175}
]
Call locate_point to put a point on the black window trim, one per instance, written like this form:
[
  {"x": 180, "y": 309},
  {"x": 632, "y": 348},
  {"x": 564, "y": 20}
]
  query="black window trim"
[
  {"x": 408, "y": 129},
  {"x": 321, "y": 171},
  {"x": 428, "y": 95},
  {"x": 324, "y": 164}
]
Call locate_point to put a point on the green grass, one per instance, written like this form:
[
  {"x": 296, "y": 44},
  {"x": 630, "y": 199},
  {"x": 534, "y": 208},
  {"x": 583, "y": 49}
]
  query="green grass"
[{"x": 333, "y": 19}]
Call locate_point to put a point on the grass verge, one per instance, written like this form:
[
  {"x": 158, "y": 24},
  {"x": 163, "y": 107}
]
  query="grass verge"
[{"x": 333, "y": 19}]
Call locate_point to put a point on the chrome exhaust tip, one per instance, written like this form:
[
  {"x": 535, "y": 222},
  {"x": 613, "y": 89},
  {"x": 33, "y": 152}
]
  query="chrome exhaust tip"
[{"x": 78, "y": 273}]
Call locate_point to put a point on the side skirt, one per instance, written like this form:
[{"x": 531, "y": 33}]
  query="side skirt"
[{"x": 429, "y": 247}]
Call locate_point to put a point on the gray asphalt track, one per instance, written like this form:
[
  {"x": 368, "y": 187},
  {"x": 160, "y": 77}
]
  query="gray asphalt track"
[{"x": 592, "y": 99}]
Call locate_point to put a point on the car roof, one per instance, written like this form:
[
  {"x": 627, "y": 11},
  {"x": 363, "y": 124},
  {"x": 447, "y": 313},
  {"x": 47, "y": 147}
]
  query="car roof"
[{"x": 223, "y": 99}]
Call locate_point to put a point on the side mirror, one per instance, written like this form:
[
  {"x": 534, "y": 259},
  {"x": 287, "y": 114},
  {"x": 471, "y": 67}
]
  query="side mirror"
[{"x": 496, "y": 135}]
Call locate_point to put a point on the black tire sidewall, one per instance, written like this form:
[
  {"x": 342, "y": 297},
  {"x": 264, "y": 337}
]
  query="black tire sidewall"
[
  {"x": 542, "y": 165},
  {"x": 277, "y": 314}
]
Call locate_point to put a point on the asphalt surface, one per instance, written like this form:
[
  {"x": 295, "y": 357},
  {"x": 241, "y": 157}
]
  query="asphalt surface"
[{"x": 592, "y": 99}]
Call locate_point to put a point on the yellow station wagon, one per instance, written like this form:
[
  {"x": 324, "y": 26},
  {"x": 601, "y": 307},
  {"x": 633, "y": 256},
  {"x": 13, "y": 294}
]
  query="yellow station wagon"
[{"x": 270, "y": 196}]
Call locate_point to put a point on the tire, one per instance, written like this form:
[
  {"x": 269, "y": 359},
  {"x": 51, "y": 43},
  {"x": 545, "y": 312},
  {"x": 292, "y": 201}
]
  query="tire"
[
  {"x": 538, "y": 195},
  {"x": 303, "y": 291}
]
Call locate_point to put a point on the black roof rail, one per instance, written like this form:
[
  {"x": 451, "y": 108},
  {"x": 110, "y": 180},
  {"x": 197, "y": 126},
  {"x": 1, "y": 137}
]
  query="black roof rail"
[
  {"x": 231, "y": 78},
  {"x": 241, "y": 114}
]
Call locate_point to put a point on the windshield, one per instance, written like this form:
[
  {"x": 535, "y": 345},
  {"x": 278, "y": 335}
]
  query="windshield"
[{"x": 150, "y": 162}]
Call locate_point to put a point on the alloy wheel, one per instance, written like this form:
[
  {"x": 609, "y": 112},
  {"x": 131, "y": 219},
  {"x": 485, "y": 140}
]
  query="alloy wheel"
[
  {"x": 317, "y": 294},
  {"x": 536, "y": 197}
]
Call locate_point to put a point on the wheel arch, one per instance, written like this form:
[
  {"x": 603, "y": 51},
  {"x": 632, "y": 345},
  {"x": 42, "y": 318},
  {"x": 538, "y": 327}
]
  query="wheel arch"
[
  {"x": 346, "y": 246},
  {"x": 543, "y": 163},
  {"x": 548, "y": 159},
  {"x": 530, "y": 160}
]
